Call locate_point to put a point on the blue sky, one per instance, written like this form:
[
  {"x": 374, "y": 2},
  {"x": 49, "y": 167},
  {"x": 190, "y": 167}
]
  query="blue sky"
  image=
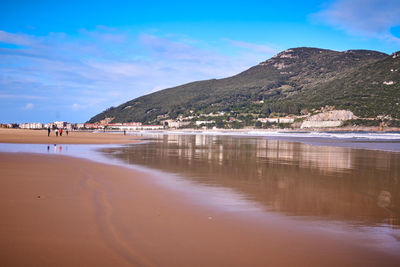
[{"x": 69, "y": 60}]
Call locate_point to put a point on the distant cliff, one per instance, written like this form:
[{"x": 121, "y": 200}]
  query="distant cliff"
[
  {"x": 333, "y": 118},
  {"x": 295, "y": 81}
]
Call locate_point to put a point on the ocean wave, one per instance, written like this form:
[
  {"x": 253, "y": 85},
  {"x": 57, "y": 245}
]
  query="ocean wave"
[{"x": 367, "y": 136}]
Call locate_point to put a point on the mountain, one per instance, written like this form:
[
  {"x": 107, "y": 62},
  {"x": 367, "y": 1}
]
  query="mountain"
[{"x": 365, "y": 82}]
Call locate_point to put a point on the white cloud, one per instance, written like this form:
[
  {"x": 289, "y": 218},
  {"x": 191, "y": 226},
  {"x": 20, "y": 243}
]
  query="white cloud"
[
  {"x": 370, "y": 18},
  {"x": 20, "y": 96},
  {"x": 29, "y": 106},
  {"x": 268, "y": 50},
  {"x": 16, "y": 39},
  {"x": 108, "y": 67}
]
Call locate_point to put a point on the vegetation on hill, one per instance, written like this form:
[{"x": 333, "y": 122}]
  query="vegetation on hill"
[{"x": 294, "y": 81}]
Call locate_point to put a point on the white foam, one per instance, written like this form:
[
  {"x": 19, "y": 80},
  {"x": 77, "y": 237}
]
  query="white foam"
[{"x": 331, "y": 135}]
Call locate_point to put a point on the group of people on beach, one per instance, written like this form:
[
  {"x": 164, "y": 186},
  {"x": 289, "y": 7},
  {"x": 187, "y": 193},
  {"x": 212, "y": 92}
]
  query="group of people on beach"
[{"x": 58, "y": 131}]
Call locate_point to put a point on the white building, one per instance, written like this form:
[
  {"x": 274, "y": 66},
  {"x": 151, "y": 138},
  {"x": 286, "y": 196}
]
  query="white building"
[
  {"x": 68, "y": 126},
  {"x": 60, "y": 124},
  {"x": 79, "y": 125},
  {"x": 176, "y": 123},
  {"x": 277, "y": 120},
  {"x": 138, "y": 127},
  {"x": 286, "y": 120},
  {"x": 198, "y": 123},
  {"x": 270, "y": 120},
  {"x": 31, "y": 125}
]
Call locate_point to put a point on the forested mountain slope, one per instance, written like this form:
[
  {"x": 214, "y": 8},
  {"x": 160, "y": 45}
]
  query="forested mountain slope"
[{"x": 365, "y": 82}]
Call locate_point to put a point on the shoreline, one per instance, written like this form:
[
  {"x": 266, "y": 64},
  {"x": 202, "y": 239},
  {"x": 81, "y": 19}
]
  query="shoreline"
[
  {"x": 63, "y": 211},
  {"x": 288, "y": 131},
  {"x": 353, "y": 139},
  {"x": 23, "y": 136},
  {"x": 305, "y": 130}
]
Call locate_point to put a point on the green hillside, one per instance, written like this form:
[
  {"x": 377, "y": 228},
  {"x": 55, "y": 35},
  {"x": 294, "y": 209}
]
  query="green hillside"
[{"x": 293, "y": 80}]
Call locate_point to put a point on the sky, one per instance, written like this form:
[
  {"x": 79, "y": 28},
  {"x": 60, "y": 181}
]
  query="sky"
[{"x": 69, "y": 60}]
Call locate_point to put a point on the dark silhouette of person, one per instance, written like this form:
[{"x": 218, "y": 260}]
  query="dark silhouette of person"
[
  {"x": 66, "y": 131},
  {"x": 48, "y": 131}
]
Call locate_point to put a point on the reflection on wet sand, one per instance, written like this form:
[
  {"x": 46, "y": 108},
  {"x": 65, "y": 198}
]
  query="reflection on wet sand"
[{"x": 335, "y": 183}]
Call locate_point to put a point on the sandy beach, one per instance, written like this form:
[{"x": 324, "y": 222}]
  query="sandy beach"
[
  {"x": 74, "y": 137},
  {"x": 63, "y": 211}
]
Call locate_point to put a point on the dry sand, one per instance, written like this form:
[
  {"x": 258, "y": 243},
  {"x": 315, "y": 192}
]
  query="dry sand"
[
  {"x": 74, "y": 137},
  {"x": 62, "y": 211}
]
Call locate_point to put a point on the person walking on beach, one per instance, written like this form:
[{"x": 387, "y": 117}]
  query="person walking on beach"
[
  {"x": 48, "y": 131},
  {"x": 66, "y": 131},
  {"x": 56, "y": 132},
  {"x": 61, "y": 132}
]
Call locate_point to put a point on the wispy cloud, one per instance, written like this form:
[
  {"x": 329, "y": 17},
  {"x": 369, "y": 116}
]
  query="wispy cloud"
[
  {"x": 92, "y": 70},
  {"x": 20, "y": 96},
  {"x": 268, "y": 50},
  {"x": 16, "y": 39},
  {"x": 29, "y": 106},
  {"x": 370, "y": 18}
]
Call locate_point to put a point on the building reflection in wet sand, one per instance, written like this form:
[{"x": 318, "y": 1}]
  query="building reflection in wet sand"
[{"x": 334, "y": 183}]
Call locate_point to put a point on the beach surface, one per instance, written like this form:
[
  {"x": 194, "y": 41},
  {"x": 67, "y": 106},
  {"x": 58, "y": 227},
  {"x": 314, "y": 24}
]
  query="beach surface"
[
  {"x": 63, "y": 211},
  {"x": 23, "y": 136}
]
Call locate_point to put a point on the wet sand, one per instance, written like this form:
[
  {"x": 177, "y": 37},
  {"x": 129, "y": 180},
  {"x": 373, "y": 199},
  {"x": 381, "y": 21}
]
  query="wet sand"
[
  {"x": 62, "y": 211},
  {"x": 334, "y": 183},
  {"x": 74, "y": 137}
]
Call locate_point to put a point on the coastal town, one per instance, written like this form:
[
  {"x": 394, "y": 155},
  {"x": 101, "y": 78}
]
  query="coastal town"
[
  {"x": 83, "y": 126},
  {"x": 326, "y": 117}
]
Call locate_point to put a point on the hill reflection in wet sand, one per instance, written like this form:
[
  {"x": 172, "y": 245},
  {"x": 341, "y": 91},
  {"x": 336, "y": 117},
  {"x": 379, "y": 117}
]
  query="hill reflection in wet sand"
[{"x": 334, "y": 183}]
